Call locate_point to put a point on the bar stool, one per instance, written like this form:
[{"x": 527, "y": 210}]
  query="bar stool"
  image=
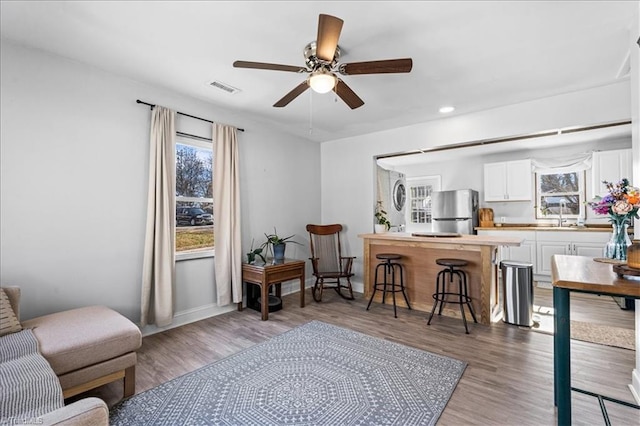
[
  {"x": 389, "y": 263},
  {"x": 452, "y": 268}
]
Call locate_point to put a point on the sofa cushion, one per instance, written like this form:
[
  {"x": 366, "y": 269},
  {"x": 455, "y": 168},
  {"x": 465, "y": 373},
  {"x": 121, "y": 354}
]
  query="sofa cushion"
[
  {"x": 77, "y": 338},
  {"x": 8, "y": 320},
  {"x": 29, "y": 387}
]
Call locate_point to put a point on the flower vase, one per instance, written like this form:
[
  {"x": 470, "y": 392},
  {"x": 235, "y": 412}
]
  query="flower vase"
[{"x": 616, "y": 248}]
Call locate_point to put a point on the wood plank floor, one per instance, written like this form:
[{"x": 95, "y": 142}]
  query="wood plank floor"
[{"x": 508, "y": 380}]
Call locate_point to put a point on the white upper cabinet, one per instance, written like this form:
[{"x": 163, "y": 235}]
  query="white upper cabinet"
[
  {"x": 610, "y": 166},
  {"x": 508, "y": 181}
]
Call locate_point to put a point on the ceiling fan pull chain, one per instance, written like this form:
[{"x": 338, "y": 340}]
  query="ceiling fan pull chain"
[{"x": 311, "y": 113}]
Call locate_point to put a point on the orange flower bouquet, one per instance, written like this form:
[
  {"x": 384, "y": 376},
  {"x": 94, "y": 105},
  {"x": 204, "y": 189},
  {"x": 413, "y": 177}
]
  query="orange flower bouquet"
[{"x": 621, "y": 204}]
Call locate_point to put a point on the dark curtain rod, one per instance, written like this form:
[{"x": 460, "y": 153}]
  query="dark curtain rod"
[{"x": 138, "y": 101}]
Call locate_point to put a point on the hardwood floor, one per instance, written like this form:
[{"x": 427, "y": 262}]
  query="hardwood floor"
[{"x": 508, "y": 380}]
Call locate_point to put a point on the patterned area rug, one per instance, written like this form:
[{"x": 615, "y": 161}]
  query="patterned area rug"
[{"x": 315, "y": 374}]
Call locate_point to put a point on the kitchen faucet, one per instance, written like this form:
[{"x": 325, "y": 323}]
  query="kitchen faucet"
[{"x": 560, "y": 219}]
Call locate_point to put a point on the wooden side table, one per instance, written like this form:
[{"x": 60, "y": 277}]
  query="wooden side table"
[{"x": 273, "y": 273}]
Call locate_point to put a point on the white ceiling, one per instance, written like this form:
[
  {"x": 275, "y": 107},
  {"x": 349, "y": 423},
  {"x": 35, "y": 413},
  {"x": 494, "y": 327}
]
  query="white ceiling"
[{"x": 474, "y": 55}]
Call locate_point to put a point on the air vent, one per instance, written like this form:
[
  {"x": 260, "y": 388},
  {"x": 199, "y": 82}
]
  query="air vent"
[{"x": 225, "y": 87}]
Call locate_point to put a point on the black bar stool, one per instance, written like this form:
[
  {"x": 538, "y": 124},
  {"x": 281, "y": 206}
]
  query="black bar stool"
[
  {"x": 452, "y": 268},
  {"x": 389, "y": 263}
]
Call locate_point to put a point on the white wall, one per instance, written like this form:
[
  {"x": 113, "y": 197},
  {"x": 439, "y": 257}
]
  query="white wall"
[
  {"x": 473, "y": 176},
  {"x": 348, "y": 165},
  {"x": 74, "y": 148}
]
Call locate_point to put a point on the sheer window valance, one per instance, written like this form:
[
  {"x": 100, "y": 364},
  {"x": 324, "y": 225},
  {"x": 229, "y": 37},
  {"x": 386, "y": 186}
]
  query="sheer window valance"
[{"x": 566, "y": 164}]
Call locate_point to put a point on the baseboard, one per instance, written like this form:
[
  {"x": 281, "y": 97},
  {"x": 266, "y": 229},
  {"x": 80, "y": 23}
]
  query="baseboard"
[
  {"x": 291, "y": 287},
  {"x": 544, "y": 284},
  {"x": 190, "y": 315},
  {"x": 211, "y": 310}
]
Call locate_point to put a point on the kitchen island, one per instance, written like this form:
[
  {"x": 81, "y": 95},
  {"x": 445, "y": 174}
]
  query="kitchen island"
[{"x": 419, "y": 256}]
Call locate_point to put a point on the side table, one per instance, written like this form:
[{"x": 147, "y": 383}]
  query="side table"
[{"x": 265, "y": 275}]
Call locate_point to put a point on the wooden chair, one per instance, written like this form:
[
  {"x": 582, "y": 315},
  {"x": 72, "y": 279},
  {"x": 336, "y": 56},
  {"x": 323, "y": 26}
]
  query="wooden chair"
[{"x": 329, "y": 266}]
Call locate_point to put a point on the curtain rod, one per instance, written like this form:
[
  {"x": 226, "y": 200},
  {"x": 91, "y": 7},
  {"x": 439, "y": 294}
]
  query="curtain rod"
[{"x": 138, "y": 101}]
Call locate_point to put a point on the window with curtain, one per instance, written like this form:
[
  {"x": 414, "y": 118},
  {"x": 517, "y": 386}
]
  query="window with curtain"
[
  {"x": 558, "y": 193},
  {"x": 194, "y": 196}
]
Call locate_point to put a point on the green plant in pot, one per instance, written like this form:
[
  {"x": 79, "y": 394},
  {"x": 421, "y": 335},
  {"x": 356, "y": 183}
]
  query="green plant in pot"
[
  {"x": 251, "y": 256},
  {"x": 382, "y": 223},
  {"x": 277, "y": 244}
]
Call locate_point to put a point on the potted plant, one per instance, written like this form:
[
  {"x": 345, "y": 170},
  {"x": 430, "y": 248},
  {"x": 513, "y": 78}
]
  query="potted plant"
[
  {"x": 382, "y": 223},
  {"x": 251, "y": 256},
  {"x": 277, "y": 244}
]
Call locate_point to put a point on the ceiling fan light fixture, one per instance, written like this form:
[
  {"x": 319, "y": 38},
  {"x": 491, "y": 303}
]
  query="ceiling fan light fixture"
[{"x": 322, "y": 81}]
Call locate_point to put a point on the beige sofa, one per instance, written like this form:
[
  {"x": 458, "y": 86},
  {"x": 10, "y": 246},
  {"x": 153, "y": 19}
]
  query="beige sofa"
[
  {"x": 86, "y": 347},
  {"x": 30, "y": 390}
]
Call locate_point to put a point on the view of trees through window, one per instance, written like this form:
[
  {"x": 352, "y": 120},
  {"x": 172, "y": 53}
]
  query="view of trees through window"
[
  {"x": 560, "y": 192},
  {"x": 194, "y": 196}
]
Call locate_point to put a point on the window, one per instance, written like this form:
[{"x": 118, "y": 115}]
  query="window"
[
  {"x": 560, "y": 192},
  {"x": 421, "y": 204},
  {"x": 420, "y": 190},
  {"x": 194, "y": 196}
]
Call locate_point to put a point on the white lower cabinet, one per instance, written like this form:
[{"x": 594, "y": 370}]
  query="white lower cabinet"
[
  {"x": 526, "y": 252},
  {"x": 538, "y": 246},
  {"x": 548, "y": 243}
]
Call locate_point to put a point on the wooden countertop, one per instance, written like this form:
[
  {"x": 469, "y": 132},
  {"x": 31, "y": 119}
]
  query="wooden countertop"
[
  {"x": 465, "y": 240},
  {"x": 582, "y": 273},
  {"x": 532, "y": 227}
]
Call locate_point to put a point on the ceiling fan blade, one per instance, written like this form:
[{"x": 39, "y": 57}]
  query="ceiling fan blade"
[
  {"x": 377, "y": 67},
  {"x": 347, "y": 95},
  {"x": 297, "y": 91},
  {"x": 329, "y": 28},
  {"x": 266, "y": 66}
]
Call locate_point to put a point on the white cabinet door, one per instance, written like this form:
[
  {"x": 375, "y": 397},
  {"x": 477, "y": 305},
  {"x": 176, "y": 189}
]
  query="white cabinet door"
[
  {"x": 508, "y": 181},
  {"x": 526, "y": 252},
  {"x": 494, "y": 181},
  {"x": 588, "y": 249},
  {"x": 611, "y": 166},
  {"x": 546, "y": 249},
  {"x": 518, "y": 180}
]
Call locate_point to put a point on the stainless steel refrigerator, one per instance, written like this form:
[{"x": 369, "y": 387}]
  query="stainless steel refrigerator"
[{"x": 455, "y": 211}]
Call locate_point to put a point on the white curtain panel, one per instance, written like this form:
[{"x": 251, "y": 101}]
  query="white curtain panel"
[
  {"x": 226, "y": 209},
  {"x": 158, "y": 269}
]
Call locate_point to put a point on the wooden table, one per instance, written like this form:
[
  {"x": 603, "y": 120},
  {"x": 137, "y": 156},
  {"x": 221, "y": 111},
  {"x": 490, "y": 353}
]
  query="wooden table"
[
  {"x": 265, "y": 275},
  {"x": 581, "y": 274}
]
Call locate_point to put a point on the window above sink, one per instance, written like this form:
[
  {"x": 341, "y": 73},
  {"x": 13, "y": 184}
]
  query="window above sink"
[{"x": 560, "y": 195}]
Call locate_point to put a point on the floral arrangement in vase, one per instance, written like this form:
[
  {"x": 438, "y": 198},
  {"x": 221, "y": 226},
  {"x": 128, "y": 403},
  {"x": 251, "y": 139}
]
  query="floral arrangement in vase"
[{"x": 621, "y": 203}]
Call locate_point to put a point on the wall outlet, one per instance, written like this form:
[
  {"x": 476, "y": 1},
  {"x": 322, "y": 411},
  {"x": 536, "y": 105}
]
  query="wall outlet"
[{"x": 503, "y": 219}]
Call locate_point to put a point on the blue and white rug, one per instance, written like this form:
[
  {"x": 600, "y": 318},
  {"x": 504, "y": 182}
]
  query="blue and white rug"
[{"x": 315, "y": 374}]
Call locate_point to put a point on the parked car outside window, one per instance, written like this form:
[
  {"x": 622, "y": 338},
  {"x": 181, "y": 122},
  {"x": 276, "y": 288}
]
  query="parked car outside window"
[{"x": 193, "y": 216}]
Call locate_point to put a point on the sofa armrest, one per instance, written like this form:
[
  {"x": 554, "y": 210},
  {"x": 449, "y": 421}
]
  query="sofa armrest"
[{"x": 88, "y": 411}]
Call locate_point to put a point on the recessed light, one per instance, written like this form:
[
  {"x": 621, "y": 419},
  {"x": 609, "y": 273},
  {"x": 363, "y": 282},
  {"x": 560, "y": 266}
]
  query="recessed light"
[{"x": 446, "y": 109}]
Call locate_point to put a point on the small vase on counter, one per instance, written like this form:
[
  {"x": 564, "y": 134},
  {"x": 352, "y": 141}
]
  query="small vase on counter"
[{"x": 379, "y": 229}]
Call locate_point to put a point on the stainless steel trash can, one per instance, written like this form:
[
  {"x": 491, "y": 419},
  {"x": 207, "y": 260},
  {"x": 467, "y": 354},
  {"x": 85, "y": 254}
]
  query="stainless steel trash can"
[{"x": 517, "y": 291}]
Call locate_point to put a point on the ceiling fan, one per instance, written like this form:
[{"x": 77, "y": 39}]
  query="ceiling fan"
[{"x": 321, "y": 58}]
